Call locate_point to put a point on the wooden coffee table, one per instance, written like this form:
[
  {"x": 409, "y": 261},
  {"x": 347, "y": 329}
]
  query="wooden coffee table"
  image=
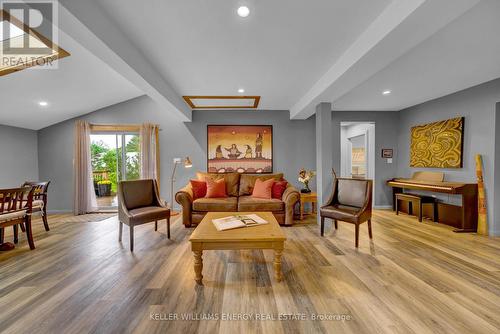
[{"x": 267, "y": 236}]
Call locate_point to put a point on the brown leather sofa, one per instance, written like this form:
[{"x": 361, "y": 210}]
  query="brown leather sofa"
[{"x": 239, "y": 189}]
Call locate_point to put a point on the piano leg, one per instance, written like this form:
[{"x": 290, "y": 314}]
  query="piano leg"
[
  {"x": 469, "y": 210},
  {"x": 395, "y": 191}
]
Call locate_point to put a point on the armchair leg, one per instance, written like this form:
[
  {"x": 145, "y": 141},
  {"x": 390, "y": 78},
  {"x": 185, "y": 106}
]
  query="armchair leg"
[
  {"x": 1, "y": 235},
  {"x": 16, "y": 238},
  {"x": 370, "y": 228},
  {"x": 156, "y": 225},
  {"x": 322, "y": 226},
  {"x": 120, "y": 230},
  {"x": 336, "y": 224},
  {"x": 22, "y": 227},
  {"x": 168, "y": 227},
  {"x": 131, "y": 228},
  {"x": 357, "y": 235}
]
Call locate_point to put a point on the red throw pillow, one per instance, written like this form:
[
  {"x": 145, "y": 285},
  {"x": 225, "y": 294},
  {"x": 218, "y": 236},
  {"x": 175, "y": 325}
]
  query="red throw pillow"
[
  {"x": 278, "y": 189},
  {"x": 199, "y": 188},
  {"x": 263, "y": 189},
  {"x": 215, "y": 188}
]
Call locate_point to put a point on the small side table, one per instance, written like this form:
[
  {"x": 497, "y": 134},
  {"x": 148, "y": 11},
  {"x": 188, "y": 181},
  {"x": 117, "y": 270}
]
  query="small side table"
[{"x": 308, "y": 198}]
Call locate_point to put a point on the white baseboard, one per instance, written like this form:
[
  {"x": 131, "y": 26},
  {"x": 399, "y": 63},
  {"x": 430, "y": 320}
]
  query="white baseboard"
[
  {"x": 382, "y": 207},
  {"x": 56, "y": 212},
  {"x": 495, "y": 234}
]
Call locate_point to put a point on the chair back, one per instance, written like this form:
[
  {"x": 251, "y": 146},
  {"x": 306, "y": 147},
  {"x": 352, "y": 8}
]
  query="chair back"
[
  {"x": 16, "y": 199},
  {"x": 137, "y": 193},
  {"x": 353, "y": 192},
  {"x": 40, "y": 189}
]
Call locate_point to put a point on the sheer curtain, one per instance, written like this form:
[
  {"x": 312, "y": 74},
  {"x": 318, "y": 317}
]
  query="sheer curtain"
[
  {"x": 84, "y": 195},
  {"x": 149, "y": 151}
]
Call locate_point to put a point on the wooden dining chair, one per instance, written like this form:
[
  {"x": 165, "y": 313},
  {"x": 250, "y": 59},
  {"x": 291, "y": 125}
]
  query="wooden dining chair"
[
  {"x": 40, "y": 190},
  {"x": 16, "y": 206}
]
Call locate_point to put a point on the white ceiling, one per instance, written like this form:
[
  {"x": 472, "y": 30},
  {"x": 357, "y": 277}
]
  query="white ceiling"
[
  {"x": 203, "y": 48},
  {"x": 293, "y": 53},
  {"x": 461, "y": 55},
  {"x": 81, "y": 84}
]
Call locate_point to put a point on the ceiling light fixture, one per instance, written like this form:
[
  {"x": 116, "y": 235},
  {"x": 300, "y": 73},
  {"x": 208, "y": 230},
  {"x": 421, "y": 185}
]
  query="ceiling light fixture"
[
  {"x": 243, "y": 11},
  {"x": 241, "y": 90},
  {"x": 43, "y": 103},
  {"x": 386, "y": 92}
]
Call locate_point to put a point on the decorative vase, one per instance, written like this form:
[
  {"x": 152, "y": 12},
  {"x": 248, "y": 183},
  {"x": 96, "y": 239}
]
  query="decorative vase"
[{"x": 305, "y": 190}]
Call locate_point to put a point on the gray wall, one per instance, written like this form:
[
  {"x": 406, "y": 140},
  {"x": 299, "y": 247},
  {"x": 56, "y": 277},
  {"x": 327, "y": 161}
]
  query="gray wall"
[
  {"x": 386, "y": 134},
  {"x": 496, "y": 189},
  {"x": 294, "y": 143},
  {"x": 18, "y": 156},
  {"x": 477, "y": 105}
]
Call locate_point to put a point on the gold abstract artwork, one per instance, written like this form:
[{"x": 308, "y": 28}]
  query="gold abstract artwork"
[{"x": 438, "y": 144}]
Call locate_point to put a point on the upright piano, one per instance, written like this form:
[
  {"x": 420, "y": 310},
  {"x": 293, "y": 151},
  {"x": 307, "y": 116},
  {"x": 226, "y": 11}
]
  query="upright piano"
[{"x": 465, "y": 220}]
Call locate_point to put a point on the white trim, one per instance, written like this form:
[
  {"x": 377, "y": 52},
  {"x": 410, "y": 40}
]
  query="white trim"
[
  {"x": 382, "y": 207},
  {"x": 53, "y": 212}
]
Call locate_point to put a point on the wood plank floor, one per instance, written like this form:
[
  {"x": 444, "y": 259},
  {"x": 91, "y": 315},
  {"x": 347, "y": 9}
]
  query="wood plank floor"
[{"x": 413, "y": 278}]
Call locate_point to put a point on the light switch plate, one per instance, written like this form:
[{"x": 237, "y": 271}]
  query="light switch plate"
[{"x": 389, "y": 160}]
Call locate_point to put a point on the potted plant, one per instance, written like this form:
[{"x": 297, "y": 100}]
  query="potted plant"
[
  {"x": 304, "y": 177},
  {"x": 104, "y": 188}
]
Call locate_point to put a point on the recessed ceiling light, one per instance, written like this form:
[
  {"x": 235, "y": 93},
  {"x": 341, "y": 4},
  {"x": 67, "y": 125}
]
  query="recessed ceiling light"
[
  {"x": 243, "y": 11},
  {"x": 386, "y": 92},
  {"x": 43, "y": 103},
  {"x": 241, "y": 90}
]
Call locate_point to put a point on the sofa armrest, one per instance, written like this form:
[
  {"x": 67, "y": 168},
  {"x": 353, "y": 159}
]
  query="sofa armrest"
[
  {"x": 185, "y": 198},
  {"x": 290, "y": 196}
]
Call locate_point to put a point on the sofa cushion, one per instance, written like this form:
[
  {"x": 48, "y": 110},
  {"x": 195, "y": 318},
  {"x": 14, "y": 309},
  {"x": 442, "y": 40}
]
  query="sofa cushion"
[
  {"x": 199, "y": 188},
  {"x": 232, "y": 180},
  {"x": 249, "y": 203},
  {"x": 216, "y": 204},
  {"x": 263, "y": 189},
  {"x": 216, "y": 188},
  {"x": 278, "y": 189},
  {"x": 247, "y": 181}
]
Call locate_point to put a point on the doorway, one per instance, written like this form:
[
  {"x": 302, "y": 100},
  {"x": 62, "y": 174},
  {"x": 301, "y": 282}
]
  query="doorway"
[
  {"x": 115, "y": 157},
  {"x": 357, "y": 150}
]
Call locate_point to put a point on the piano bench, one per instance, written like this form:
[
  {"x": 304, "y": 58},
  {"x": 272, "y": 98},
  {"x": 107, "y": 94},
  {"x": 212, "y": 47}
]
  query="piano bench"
[{"x": 417, "y": 200}]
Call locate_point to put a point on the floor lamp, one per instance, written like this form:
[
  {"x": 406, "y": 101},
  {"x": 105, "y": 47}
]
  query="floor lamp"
[{"x": 187, "y": 164}]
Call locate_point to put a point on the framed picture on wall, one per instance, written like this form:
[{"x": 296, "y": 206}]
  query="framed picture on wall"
[
  {"x": 240, "y": 148},
  {"x": 387, "y": 153}
]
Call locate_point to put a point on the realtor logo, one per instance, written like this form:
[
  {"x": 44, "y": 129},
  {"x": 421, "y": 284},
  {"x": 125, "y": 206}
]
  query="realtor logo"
[
  {"x": 34, "y": 16},
  {"x": 28, "y": 35}
]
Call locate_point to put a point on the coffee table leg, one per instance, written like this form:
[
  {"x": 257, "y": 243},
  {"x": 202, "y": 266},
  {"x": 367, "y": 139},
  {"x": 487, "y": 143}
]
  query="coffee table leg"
[
  {"x": 277, "y": 264},
  {"x": 198, "y": 266}
]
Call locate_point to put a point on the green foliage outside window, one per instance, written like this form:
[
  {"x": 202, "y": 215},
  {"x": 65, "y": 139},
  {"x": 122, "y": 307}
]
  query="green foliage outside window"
[{"x": 105, "y": 159}]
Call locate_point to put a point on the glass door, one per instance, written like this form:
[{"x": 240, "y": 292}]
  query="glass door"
[{"x": 115, "y": 157}]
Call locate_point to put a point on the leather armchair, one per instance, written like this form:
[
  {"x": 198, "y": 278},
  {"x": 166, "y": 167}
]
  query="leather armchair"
[
  {"x": 350, "y": 202},
  {"x": 139, "y": 203}
]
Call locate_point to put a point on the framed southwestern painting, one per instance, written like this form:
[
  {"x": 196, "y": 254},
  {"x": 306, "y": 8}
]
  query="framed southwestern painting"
[
  {"x": 438, "y": 144},
  {"x": 240, "y": 148}
]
